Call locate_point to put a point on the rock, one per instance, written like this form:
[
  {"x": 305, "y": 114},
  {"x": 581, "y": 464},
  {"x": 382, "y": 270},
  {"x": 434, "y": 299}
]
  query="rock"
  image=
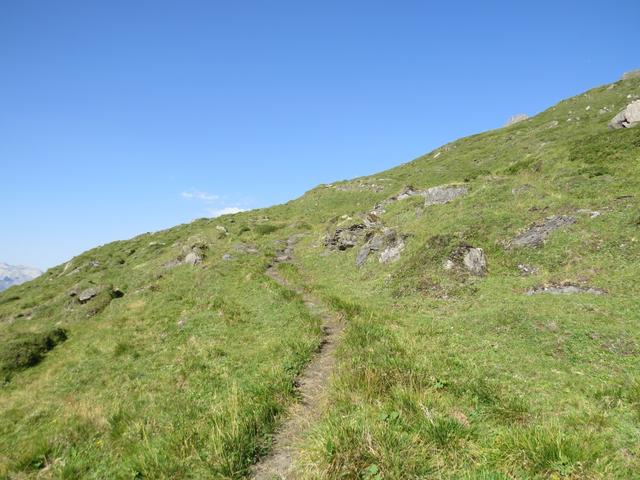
[
  {"x": 287, "y": 254},
  {"x": 591, "y": 213},
  {"x": 227, "y": 257},
  {"x": 192, "y": 258},
  {"x": 467, "y": 258},
  {"x": 536, "y": 234},
  {"x": 443, "y": 194},
  {"x": 627, "y": 118},
  {"x": 88, "y": 294},
  {"x": 407, "y": 192},
  {"x": 371, "y": 220},
  {"x": 363, "y": 254},
  {"x": 476, "y": 262},
  {"x": 388, "y": 242},
  {"x": 527, "y": 269},
  {"x": 518, "y": 117},
  {"x": 221, "y": 229},
  {"x": 631, "y": 74},
  {"x": 564, "y": 289},
  {"x": 245, "y": 248},
  {"x": 344, "y": 238},
  {"x": 448, "y": 264},
  {"x": 392, "y": 252}
]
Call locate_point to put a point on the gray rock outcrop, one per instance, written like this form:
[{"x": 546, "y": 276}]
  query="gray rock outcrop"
[
  {"x": 629, "y": 117},
  {"x": 388, "y": 242},
  {"x": 537, "y": 233},
  {"x": 433, "y": 196},
  {"x": 345, "y": 237},
  {"x": 443, "y": 194}
]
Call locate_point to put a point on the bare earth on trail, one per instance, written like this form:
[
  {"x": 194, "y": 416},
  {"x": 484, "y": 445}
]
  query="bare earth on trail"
[{"x": 312, "y": 385}]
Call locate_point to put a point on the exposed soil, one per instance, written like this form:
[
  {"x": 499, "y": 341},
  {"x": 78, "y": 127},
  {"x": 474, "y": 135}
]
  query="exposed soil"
[{"x": 311, "y": 386}]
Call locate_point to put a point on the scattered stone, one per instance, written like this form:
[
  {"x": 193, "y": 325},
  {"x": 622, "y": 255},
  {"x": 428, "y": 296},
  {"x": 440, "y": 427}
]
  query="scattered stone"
[
  {"x": 227, "y": 257},
  {"x": 527, "y": 269},
  {"x": 553, "y": 124},
  {"x": 564, "y": 289},
  {"x": 88, "y": 294},
  {"x": 443, "y": 194},
  {"x": 518, "y": 117},
  {"x": 536, "y": 234},
  {"x": 631, "y": 74},
  {"x": 627, "y": 118},
  {"x": 286, "y": 255}
]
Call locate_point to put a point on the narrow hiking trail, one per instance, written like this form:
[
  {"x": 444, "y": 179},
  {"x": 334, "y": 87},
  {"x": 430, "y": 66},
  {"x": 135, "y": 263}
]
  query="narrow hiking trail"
[{"x": 311, "y": 384}]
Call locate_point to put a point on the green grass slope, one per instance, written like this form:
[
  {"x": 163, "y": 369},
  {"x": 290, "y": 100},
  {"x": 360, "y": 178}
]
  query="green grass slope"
[{"x": 183, "y": 371}]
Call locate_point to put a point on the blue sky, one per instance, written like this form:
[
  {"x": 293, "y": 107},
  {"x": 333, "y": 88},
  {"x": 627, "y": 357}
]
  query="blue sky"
[{"x": 120, "y": 117}]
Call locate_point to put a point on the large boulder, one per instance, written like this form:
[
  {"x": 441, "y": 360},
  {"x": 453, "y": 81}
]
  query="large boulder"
[
  {"x": 88, "y": 294},
  {"x": 537, "y": 233},
  {"x": 629, "y": 117}
]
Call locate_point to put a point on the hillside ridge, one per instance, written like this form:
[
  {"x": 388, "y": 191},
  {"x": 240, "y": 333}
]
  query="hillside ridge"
[{"x": 489, "y": 303}]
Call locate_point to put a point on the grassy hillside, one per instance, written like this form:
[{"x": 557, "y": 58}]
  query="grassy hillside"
[{"x": 180, "y": 370}]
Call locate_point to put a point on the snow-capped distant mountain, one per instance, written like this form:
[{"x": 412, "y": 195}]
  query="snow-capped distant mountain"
[{"x": 15, "y": 275}]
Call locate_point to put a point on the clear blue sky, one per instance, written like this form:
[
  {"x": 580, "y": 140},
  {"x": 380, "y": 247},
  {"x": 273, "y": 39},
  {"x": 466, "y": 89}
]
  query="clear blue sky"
[{"x": 120, "y": 117}]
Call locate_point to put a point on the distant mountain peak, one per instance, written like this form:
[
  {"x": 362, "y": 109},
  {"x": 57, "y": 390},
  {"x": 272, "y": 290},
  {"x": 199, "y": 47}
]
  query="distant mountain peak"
[{"x": 16, "y": 274}]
